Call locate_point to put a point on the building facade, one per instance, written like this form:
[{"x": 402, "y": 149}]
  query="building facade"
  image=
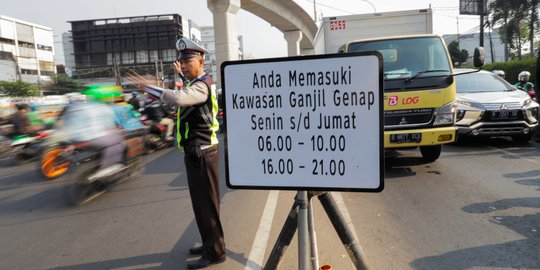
[
  {"x": 208, "y": 41},
  {"x": 26, "y": 51},
  {"x": 105, "y": 47}
]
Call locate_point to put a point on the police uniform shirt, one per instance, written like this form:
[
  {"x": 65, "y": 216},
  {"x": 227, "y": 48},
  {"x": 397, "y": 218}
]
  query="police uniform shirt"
[{"x": 195, "y": 94}]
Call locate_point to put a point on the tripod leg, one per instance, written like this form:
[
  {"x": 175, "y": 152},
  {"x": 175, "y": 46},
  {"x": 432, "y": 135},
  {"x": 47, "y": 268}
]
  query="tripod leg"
[
  {"x": 303, "y": 231},
  {"x": 347, "y": 238},
  {"x": 284, "y": 239},
  {"x": 313, "y": 237}
]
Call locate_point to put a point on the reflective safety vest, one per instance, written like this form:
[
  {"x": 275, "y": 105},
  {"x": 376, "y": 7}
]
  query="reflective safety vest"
[{"x": 198, "y": 124}]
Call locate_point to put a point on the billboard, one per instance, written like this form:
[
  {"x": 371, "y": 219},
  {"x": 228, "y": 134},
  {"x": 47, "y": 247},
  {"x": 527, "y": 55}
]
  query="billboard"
[{"x": 473, "y": 7}]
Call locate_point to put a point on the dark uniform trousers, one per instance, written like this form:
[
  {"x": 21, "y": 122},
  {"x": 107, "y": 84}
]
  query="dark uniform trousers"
[{"x": 203, "y": 180}]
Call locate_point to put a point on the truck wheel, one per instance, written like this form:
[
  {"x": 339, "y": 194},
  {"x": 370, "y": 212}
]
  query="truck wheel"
[{"x": 430, "y": 153}]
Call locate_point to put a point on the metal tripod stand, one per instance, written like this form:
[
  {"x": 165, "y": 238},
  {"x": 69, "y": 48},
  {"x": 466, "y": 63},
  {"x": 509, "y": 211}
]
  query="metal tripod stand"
[{"x": 299, "y": 218}]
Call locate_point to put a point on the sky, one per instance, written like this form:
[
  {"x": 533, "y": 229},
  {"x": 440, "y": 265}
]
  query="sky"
[{"x": 261, "y": 40}]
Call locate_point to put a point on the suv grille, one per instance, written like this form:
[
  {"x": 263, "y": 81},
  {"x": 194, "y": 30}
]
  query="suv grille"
[
  {"x": 503, "y": 112},
  {"x": 497, "y": 106},
  {"x": 410, "y": 117}
]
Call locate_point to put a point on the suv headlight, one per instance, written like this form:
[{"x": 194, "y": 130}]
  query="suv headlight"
[
  {"x": 527, "y": 102},
  {"x": 531, "y": 115},
  {"x": 446, "y": 115}
]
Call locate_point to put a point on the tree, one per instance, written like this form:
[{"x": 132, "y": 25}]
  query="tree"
[
  {"x": 63, "y": 84},
  {"x": 513, "y": 15},
  {"x": 533, "y": 21},
  {"x": 457, "y": 55},
  {"x": 18, "y": 89}
]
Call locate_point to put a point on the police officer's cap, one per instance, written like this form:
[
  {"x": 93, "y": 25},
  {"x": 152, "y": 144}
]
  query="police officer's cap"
[{"x": 189, "y": 49}]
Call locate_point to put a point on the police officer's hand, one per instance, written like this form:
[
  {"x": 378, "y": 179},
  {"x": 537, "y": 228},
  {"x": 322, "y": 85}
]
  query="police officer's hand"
[
  {"x": 138, "y": 80},
  {"x": 177, "y": 68}
]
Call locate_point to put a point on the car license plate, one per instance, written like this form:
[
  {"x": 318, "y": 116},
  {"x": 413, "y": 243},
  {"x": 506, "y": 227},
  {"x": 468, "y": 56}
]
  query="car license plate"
[
  {"x": 406, "y": 138},
  {"x": 504, "y": 114}
]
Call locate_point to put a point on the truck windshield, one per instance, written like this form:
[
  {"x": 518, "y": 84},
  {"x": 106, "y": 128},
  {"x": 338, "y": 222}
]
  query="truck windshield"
[{"x": 408, "y": 57}]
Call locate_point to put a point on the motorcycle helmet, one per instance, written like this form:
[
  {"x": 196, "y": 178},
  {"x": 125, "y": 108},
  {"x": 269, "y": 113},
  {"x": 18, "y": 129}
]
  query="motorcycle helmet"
[
  {"x": 103, "y": 93},
  {"x": 524, "y": 76},
  {"x": 75, "y": 97}
]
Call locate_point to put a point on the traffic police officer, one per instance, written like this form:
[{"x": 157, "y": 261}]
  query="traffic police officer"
[{"x": 197, "y": 128}]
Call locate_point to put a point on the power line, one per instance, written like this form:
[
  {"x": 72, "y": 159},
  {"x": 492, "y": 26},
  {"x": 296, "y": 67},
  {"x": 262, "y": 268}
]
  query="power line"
[{"x": 331, "y": 7}]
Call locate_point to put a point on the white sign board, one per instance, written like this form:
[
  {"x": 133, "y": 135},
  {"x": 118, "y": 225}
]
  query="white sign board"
[{"x": 305, "y": 123}]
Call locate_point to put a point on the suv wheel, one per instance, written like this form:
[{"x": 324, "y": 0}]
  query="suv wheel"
[{"x": 430, "y": 153}]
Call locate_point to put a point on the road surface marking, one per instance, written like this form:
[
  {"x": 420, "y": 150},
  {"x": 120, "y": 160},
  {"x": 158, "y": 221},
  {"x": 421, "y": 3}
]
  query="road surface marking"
[{"x": 256, "y": 255}]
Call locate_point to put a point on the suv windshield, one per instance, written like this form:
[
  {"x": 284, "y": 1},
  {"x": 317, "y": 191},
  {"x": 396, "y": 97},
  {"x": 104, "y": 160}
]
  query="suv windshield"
[
  {"x": 408, "y": 57},
  {"x": 481, "y": 82}
]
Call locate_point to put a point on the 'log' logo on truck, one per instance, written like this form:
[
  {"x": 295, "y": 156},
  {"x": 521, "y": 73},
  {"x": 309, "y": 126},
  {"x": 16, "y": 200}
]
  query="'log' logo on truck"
[{"x": 393, "y": 101}]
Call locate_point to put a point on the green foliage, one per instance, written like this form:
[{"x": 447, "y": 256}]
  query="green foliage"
[
  {"x": 513, "y": 68},
  {"x": 18, "y": 89},
  {"x": 64, "y": 84},
  {"x": 519, "y": 21},
  {"x": 456, "y": 54}
]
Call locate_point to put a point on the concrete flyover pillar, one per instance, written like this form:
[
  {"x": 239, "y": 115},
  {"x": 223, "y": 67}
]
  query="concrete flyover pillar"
[
  {"x": 226, "y": 37},
  {"x": 293, "y": 42}
]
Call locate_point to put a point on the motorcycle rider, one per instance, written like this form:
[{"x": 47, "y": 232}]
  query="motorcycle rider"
[
  {"x": 134, "y": 101},
  {"x": 102, "y": 127},
  {"x": 523, "y": 83},
  {"x": 154, "y": 110},
  {"x": 20, "y": 121}
]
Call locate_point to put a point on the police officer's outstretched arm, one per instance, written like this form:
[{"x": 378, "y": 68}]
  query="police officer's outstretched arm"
[{"x": 191, "y": 62}]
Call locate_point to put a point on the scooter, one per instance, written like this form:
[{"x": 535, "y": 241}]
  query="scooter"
[
  {"x": 88, "y": 180},
  {"x": 155, "y": 139},
  {"x": 531, "y": 93}
]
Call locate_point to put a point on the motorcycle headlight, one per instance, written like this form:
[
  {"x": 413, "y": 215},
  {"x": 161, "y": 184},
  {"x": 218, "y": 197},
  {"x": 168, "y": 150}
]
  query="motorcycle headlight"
[{"x": 446, "y": 115}]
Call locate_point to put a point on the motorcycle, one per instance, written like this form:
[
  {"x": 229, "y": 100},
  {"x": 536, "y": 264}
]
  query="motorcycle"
[
  {"x": 89, "y": 181},
  {"x": 155, "y": 139},
  {"x": 531, "y": 93},
  {"x": 24, "y": 148}
]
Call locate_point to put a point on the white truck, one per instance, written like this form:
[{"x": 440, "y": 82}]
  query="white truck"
[{"x": 336, "y": 31}]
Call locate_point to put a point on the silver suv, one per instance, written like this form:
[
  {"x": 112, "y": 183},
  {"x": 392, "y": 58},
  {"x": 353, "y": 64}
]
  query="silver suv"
[{"x": 490, "y": 106}]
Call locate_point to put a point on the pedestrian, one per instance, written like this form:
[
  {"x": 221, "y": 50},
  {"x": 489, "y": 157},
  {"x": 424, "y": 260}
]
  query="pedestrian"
[{"x": 197, "y": 136}]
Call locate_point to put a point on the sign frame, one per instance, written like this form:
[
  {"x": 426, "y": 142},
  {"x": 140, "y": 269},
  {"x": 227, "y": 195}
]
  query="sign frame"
[{"x": 380, "y": 125}]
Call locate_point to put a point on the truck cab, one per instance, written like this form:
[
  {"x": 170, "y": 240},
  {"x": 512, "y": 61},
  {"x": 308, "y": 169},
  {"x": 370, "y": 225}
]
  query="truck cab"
[{"x": 419, "y": 91}]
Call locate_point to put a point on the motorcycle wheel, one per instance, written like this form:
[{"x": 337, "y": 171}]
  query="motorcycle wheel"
[
  {"x": 151, "y": 143},
  {"x": 82, "y": 194},
  {"x": 50, "y": 166},
  {"x": 17, "y": 155},
  {"x": 79, "y": 193}
]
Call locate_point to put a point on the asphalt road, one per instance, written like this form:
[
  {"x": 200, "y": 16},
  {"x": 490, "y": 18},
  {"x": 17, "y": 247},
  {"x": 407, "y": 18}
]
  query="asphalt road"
[{"x": 477, "y": 207}]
